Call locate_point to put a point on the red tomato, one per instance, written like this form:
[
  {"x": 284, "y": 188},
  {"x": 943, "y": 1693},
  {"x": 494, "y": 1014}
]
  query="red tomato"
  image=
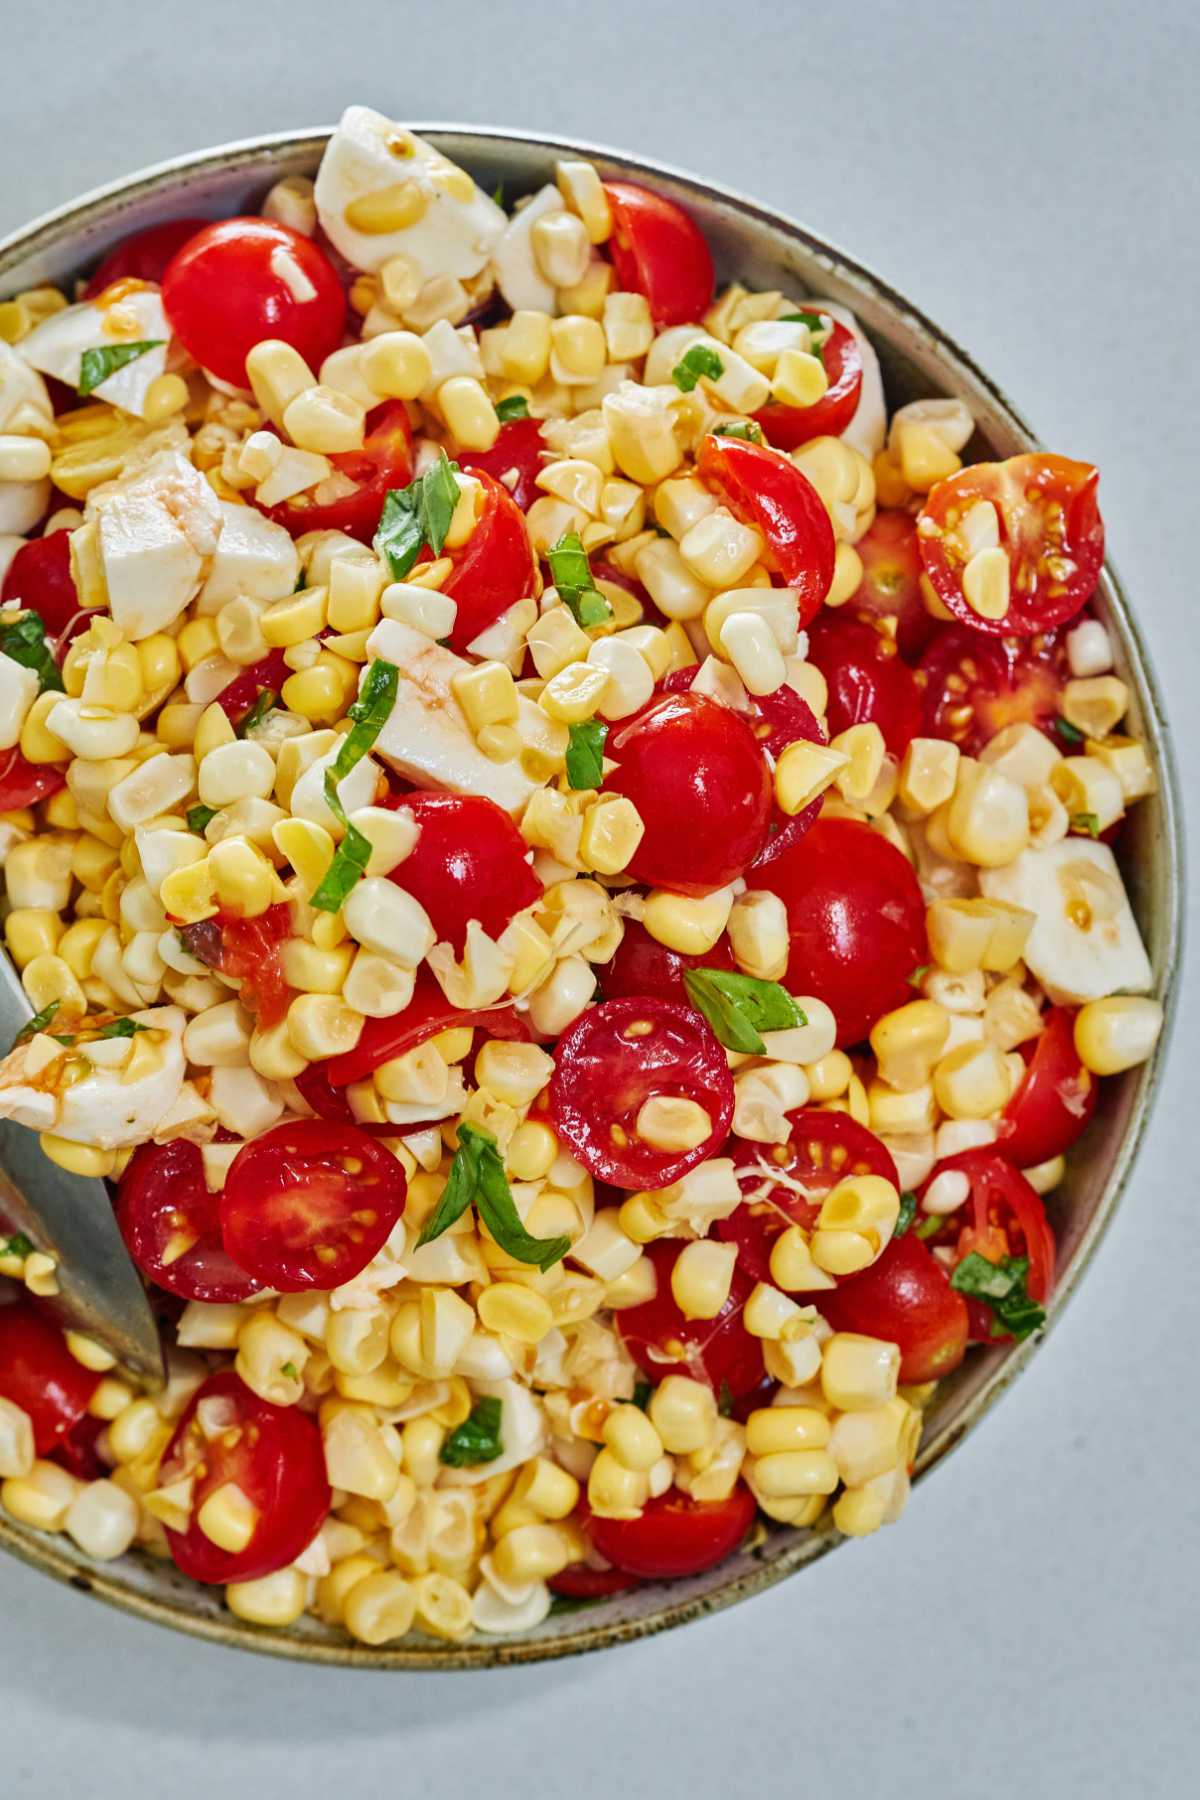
[
  {"x": 309, "y": 1204},
  {"x": 614, "y": 1058},
  {"x": 701, "y": 786},
  {"x": 905, "y": 1298},
  {"x": 468, "y": 863},
  {"x": 658, "y": 251},
  {"x": 272, "y": 1453},
  {"x": 578, "y": 1582},
  {"x": 24, "y": 783},
  {"x": 513, "y": 460},
  {"x": 868, "y": 681},
  {"x": 494, "y": 568},
  {"x": 787, "y": 427},
  {"x": 385, "y": 461},
  {"x": 891, "y": 585},
  {"x": 1002, "y": 1216},
  {"x": 1055, "y": 1099},
  {"x": 39, "y": 578},
  {"x": 823, "y": 1149},
  {"x": 857, "y": 921},
  {"x": 222, "y": 294},
  {"x": 171, "y": 1223},
  {"x": 783, "y": 719},
  {"x": 39, "y": 1374},
  {"x": 427, "y": 1013},
  {"x": 976, "y": 685},
  {"x": 644, "y": 966},
  {"x": 763, "y": 488},
  {"x": 662, "y": 1342},
  {"x": 1050, "y": 526},
  {"x": 675, "y": 1535},
  {"x": 238, "y": 696},
  {"x": 144, "y": 256},
  {"x": 249, "y": 951},
  {"x": 78, "y": 1451}
]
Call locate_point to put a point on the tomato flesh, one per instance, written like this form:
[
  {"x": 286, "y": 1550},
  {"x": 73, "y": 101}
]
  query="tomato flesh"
[
  {"x": 385, "y": 461},
  {"x": 24, "y": 783},
  {"x": 468, "y": 863},
  {"x": 644, "y": 966},
  {"x": 427, "y": 1013},
  {"x": 1054, "y": 1100},
  {"x": 975, "y": 686},
  {"x": 868, "y": 681},
  {"x": 514, "y": 460},
  {"x": 39, "y": 578},
  {"x": 39, "y": 1374},
  {"x": 239, "y": 696},
  {"x": 249, "y": 951},
  {"x": 787, "y": 427},
  {"x": 494, "y": 568},
  {"x": 171, "y": 1224},
  {"x": 906, "y": 1299},
  {"x": 663, "y": 1342},
  {"x": 761, "y": 487},
  {"x": 578, "y": 1582},
  {"x": 889, "y": 593},
  {"x": 658, "y": 251},
  {"x": 675, "y": 1535},
  {"x": 144, "y": 256},
  {"x": 1002, "y": 1216}
]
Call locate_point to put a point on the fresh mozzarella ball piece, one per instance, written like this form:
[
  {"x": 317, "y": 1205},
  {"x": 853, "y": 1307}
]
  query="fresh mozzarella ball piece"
[
  {"x": 56, "y": 346},
  {"x": 1085, "y": 942},
  {"x": 518, "y": 275},
  {"x": 867, "y": 430},
  {"x": 157, "y": 530},
  {"x": 254, "y": 558}
]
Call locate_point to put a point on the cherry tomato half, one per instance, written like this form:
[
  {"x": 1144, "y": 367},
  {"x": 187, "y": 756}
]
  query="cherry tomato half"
[
  {"x": 1002, "y": 1216},
  {"x": 890, "y": 589},
  {"x": 39, "y": 578},
  {"x": 764, "y": 489},
  {"x": 868, "y": 681},
  {"x": 79, "y": 1452},
  {"x": 975, "y": 686},
  {"x": 171, "y": 1223},
  {"x": 1055, "y": 1097},
  {"x": 272, "y": 1453},
  {"x": 701, "y": 785},
  {"x": 659, "y": 252},
  {"x": 223, "y": 292},
  {"x": 494, "y": 568},
  {"x": 24, "y": 783},
  {"x": 905, "y": 1298},
  {"x": 1050, "y": 527},
  {"x": 614, "y": 1058},
  {"x": 513, "y": 460},
  {"x": 469, "y": 862},
  {"x": 144, "y": 256},
  {"x": 309, "y": 1204},
  {"x": 239, "y": 696},
  {"x": 249, "y": 951},
  {"x": 675, "y": 1535},
  {"x": 783, "y": 719},
  {"x": 784, "y": 1184},
  {"x": 578, "y": 1582},
  {"x": 385, "y": 461},
  {"x": 39, "y": 1374},
  {"x": 644, "y": 966},
  {"x": 663, "y": 1342},
  {"x": 427, "y": 1013},
  {"x": 787, "y": 427},
  {"x": 856, "y": 917}
]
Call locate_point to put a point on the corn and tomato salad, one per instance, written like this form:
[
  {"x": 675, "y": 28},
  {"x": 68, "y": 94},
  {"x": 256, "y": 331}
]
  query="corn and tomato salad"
[{"x": 561, "y": 859}]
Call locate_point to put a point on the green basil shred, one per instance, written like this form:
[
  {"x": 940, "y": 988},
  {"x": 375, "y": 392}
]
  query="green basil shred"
[
  {"x": 17, "y": 1245},
  {"x": 38, "y": 1023},
  {"x": 516, "y": 406},
  {"x": 1002, "y": 1287},
  {"x": 417, "y": 515},
  {"x": 1086, "y": 822},
  {"x": 24, "y": 642},
  {"x": 585, "y": 754},
  {"x": 740, "y": 1009},
  {"x": 747, "y": 429},
  {"x": 477, "y": 1439},
  {"x": 198, "y": 818},
  {"x": 95, "y": 366},
  {"x": 571, "y": 573},
  {"x": 907, "y": 1213},
  {"x": 370, "y": 713},
  {"x": 262, "y": 706},
  {"x": 477, "y": 1177},
  {"x": 700, "y": 360}
]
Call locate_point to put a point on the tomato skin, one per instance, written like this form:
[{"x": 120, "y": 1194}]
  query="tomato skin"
[
  {"x": 868, "y": 682},
  {"x": 145, "y": 255},
  {"x": 468, "y": 863},
  {"x": 578, "y": 1582},
  {"x": 249, "y": 951},
  {"x": 975, "y": 686},
  {"x": 763, "y": 488},
  {"x": 385, "y": 461},
  {"x": 905, "y": 1298},
  {"x": 891, "y": 585},
  {"x": 662, "y": 1342},
  {"x": 1003, "y": 1216},
  {"x": 238, "y": 696},
  {"x": 608, "y": 1064},
  {"x": 1048, "y": 514},
  {"x": 1054, "y": 1100},
  {"x": 675, "y": 1535},
  {"x": 427, "y": 1013},
  {"x": 856, "y": 917},
  {"x": 494, "y": 568},
  {"x": 162, "y": 1192},
  {"x": 77, "y": 1451},
  {"x": 658, "y": 251},
  {"x": 276, "y": 1458},
  {"x": 309, "y": 1203},
  {"x": 519, "y": 447},
  {"x": 24, "y": 783},
  {"x": 787, "y": 427},
  {"x": 686, "y": 762},
  {"x": 39, "y": 578},
  {"x": 39, "y": 1374},
  {"x": 222, "y": 296},
  {"x": 644, "y": 966}
]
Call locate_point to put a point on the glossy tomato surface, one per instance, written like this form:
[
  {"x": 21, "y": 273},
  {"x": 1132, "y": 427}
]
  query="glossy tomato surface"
[
  {"x": 905, "y": 1298},
  {"x": 469, "y": 862},
  {"x": 427, "y": 1013},
  {"x": 763, "y": 488},
  {"x": 869, "y": 682},
  {"x": 39, "y": 578},
  {"x": 889, "y": 593},
  {"x": 24, "y": 783},
  {"x": 975, "y": 686},
  {"x": 514, "y": 460},
  {"x": 384, "y": 462},
  {"x": 1002, "y": 1216},
  {"x": 494, "y": 568},
  {"x": 658, "y": 251},
  {"x": 787, "y": 427},
  {"x": 644, "y": 966},
  {"x": 614, "y": 1058},
  {"x": 1054, "y": 1100},
  {"x": 675, "y": 1535},
  {"x": 578, "y": 1582},
  {"x": 39, "y": 1374},
  {"x": 144, "y": 256},
  {"x": 239, "y": 696},
  {"x": 171, "y": 1223},
  {"x": 662, "y": 1341},
  {"x": 249, "y": 951},
  {"x": 856, "y": 918},
  {"x": 702, "y": 788}
]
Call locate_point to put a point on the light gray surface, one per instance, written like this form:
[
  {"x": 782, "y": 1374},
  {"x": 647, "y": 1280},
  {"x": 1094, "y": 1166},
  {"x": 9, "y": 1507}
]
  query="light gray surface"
[{"x": 1027, "y": 172}]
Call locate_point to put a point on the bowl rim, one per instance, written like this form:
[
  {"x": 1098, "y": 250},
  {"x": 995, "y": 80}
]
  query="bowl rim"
[{"x": 61, "y": 223}]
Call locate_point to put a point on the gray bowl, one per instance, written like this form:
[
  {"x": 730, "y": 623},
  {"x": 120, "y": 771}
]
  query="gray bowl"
[{"x": 918, "y": 359}]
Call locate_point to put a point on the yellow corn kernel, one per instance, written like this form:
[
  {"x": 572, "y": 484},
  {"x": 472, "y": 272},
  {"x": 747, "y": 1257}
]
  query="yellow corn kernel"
[
  {"x": 615, "y": 1492},
  {"x": 396, "y": 365},
  {"x": 516, "y": 1311},
  {"x": 1088, "y": 788},
  {"x": 972, "y": 1081},
  {"x": 308, "y": 847},
  {"x": 574, "y": 693},
  {"x": 380, "y": 1608},
  {"x": 632, "y": 1438},
  {"x": 986, "y": 583},
  {"x": 296, "y": 619},
  {"x": 1117, "y": 1033},
  {"x": 545, "y": 1488},
  {"x": 213, "y": 730},
  {"x": 924, "y": 457},
  {"x": 38, "y": 744},
  {"x": 31, "y": 932},
  {"x": 691, "y": 925},
  {"x": 242, "y": 878},
  {"x": 197, "y": 640},
  {"x": 556, "y": 641},
  {"x": 314, "y": 971},
  {"x": 858, "y": 1373},
  {"x": 387, "y": 209},
  {"x": 864, "y": 750},
  {"x": 278, "y": 1599},
  {"x": 804, "y": 771},
  {"x": 776, "y": 1430},
  {"x": 77, "y": 1159},
  {"x": 470, "y": 416},
  {"x": 672, "y": 1122},
  {"x": 908, "y": 1042},
  {"x": 317, "y": 693},
  {"x": 641, "y": 430},
  {"x": 531, "y": 1151},
  {"x": 612, "y": 831},
  {"x": 987, "y": 820},
  {"x": 487, "y": 694},
  {"x": 684, "y": 1413},
  {"x": 792, "y": 1265},
  {"x": 322, "y": 1025},
  {"x": 856, "y": 1221},
  {"x": 277, "y": 373},
  {"x": 189, "y": 894},
  {"x": 702, "y": 1277},
  {"x": 228, "y": 1517},
  {"x": 928, "y": 774}
]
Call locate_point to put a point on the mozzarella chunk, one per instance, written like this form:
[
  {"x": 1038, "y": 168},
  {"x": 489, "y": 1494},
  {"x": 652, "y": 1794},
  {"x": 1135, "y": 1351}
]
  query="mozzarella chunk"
[
  {"x": 101, "y": 1108},
  {"x": 254, "y": 557},
  {"x": 517, "y": 274},
  {"x": 158, "y": 531},
  {"x": 867, "y": 430},
  {"x": 426, "y": 737},
  {"x": 1085, "y": 942},
  {"x": 23, "y": 393},
  {"x": 18, "y": 691},
  {"x": 56, "y": 346},
  {"x": 355, "y": 790},
  {"x": 369, "y": 152}
]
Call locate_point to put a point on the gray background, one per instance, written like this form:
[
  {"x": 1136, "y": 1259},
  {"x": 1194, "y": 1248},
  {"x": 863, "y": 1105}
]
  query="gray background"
[{"x": 1028, "y": 173}]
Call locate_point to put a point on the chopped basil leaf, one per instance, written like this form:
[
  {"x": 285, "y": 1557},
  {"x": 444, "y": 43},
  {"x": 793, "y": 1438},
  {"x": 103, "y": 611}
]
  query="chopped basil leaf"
[
  {"x": 38, "y": 1023},
  {"x": 1001, "y": 1286},
  {"x": 1070, "y": 734},
  {"x": 97, "y": 365},
  {"x": 198, "y": 818},
  {"x": 477, "y": 1175},
  {"x": 459, "y": 1190},
  {"x": 498, "y": 193},
  {"x": 739, "y": 1008},
  {"x": 417, "y": 515},
  {"x": 1088, "y": 822},
  {"x": 585, "y": 754},
  {"x": 907, "y": 1213},
  {"x": 17, "y": 1245},
  {"x": 816, "y": 324},
  {"x": 699, "y": 360},
  {"x": 120, "y": 1028},
  {"x": 25, "y": 642},
  {"x": 642, "y": 1391},
  {"x": 515, "y": 407},
  {"x": 258, "y": 712},
  {"x": 919, "y": 973},
  {"x": 477, "y": 1439},
  {"x": 290, "y": 1370},
  {"x": 749, "y": 429},
  {"x": 725, "y": 1401},
  {"x": 928, "y": 1226},
  {"x": 571, "y": 574},
  {"x": 370, "y": 713}
]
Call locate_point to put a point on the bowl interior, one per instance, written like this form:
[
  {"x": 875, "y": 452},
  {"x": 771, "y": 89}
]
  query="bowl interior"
[{"x": 764, "y": 251}]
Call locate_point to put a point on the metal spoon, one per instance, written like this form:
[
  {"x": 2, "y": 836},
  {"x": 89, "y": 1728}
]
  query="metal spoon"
[{"x": 71, "y": 1217}]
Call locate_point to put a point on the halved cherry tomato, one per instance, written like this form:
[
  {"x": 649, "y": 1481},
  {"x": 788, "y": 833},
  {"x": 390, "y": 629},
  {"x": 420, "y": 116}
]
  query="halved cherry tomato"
[
  {"x": 905, "y": 1298},
  {"x": 702, "y": 788},
  {"x": 784, "y": 1184},
  {"x": 513, "y": 460},
  {"x": 976, "y": 685},
  {"x": 39, "y": 578},
  {"x": 787, "y": 427},
  {"x": 333, "y": 1104},
  {"x": 272, "y": 1453},
  {"x": 856, "y": 917},
  {"x": 614, "y": 1058},
  {"x": 494, "y": 568},
  {"x": 238, "y": 696},
  {"x": 1050, "y": 527},
  {"x": 663, "y": 1342},
  {"x": 578, "y": 1582},
  {"x": 171, "y": 1222},
  {"x": 1055, "y": 1097},
  {"x": 644, "y": 966},
  {"x": 890, "y": 589},
  {"x": 78, "y": 1450},
  {"x": 309, "y": 1204},
  {"x": 469, "y": 862},
  {"x": 144, "y": 256},
  {"x": 249, "y": 951},
  {"x": 427, "y": 1013},
  {"x": 24, "y": 783},
  {"x": 385, "y": 461},
  {"x": 223, "y": 293},
  {"x": 764, "y": 489},
  {"x": 1002, "y": 1216},
  {"x": 39, "y": 1374},
  {"x": 868, "y": 681},
  {"x": 659, "y": 252},
  {"x": 675, "y": 1535},
  {"x": 783, "y": 719}
]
